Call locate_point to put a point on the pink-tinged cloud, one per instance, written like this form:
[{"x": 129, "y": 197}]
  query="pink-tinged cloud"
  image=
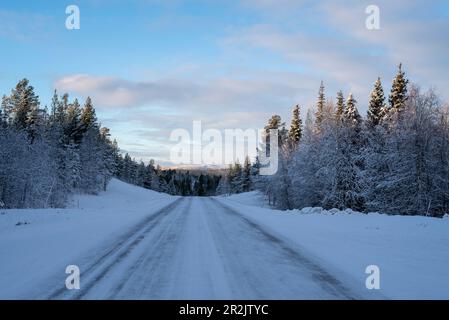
[{"x": 258, "y": 91}]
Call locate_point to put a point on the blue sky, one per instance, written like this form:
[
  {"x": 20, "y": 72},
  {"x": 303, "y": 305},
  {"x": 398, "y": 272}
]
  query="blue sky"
[{"x": 152, "y": 66}]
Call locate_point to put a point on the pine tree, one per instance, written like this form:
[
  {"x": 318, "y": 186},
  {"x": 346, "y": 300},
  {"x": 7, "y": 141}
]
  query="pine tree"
[
  {"x": 235, "y": 178},
  {"x": 72, "y": 125},
  {"x": 141, "y": 174},
  {"x": 60, "y": 106},
  {"x": 346, "y": 190},
  {"x": 72, "y": 166},
  {"x": 274, "y": 123},
  {"x": 376, "y": 107},
  {"x": 54, "y": 103},
  {"x": 351, "y": 114},
  {"x": 340, "y": 107},
  {"x": 398, "y": 93},
  {"x": 35, "y": 123},
  {"x": 295, "y": 127},
  {"x": 108, "y": 150},
  {"x": 22, "y": 102},
  {"x": 319, "y": 114},
  {"x": 42, "y": 154},
  {"x": 88, "y": 116},
  {"x": 246, "y": 180}
]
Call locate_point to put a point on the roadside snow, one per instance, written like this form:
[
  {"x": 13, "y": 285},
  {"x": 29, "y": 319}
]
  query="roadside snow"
[
  {"x": 412, "y": 252},
  {"x": 253, "y": 198},
  {"x": 40, "y": 242}
]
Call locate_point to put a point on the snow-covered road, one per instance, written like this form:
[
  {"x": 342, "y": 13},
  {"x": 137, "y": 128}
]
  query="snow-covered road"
[
  {"x": 131, "y": 243},
  {"x": 199, "y": 248}
]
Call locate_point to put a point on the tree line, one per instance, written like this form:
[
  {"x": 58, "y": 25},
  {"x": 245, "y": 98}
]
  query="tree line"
[
  {"x": 174, "y": 182},
  {"x": 395, "y": 160},
  {"x": 46, "y": 155}
]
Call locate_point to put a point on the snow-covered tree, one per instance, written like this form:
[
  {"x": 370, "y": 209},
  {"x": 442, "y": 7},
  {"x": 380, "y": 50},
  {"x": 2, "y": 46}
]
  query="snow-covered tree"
[
  {"x": 351, "y": 115},
  {"x": 295, "y": 132},
  {"x": 319, "y": 113},
  {"x": 21, "y": 103},
  {"x": 246, "y": 175},
  {"x": 398, "y": 95},
  {"x": 376, "y": 106},
  {"x": 340, "y": 107}
]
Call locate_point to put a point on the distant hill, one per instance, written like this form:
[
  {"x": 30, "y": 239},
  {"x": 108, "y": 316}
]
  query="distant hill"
[{"x": 197, "y": 169}]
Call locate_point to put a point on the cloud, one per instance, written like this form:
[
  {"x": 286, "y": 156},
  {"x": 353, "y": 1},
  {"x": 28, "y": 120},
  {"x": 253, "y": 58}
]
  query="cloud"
[
  {"x": 338, "y": 47},
  {"x": 413, "y": 33},
  {"x": 241, "y": 90},
  {"x": 296, "y": 44},
  {"x": 117, "y": 92},
  {"x": 142, "y": 114}
]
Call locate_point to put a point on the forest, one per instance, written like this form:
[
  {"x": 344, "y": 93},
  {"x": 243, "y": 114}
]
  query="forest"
[
  {"x": 47, "y": 155},
  {"x": 395, "y": 160}
]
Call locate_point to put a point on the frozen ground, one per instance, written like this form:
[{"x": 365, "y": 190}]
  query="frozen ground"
[
  {"x": 54, "y": 238},
  {"x": 412, "y": 252},
  {"x": 133, "y": 243}
]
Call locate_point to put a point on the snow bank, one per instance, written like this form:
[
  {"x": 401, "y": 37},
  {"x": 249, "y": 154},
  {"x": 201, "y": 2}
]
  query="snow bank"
[
  {"x": 253, "y": 198},
  {"x": 412, "y": 252},
  {"x": 40, "y": 242}
]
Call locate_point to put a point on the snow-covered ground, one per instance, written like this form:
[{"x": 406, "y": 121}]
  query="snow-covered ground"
[
  {"x": 51, "y": 239},
  {"x": 412, "y": 252},
  {"x": 253, "y": 198},
  {"x": 134, "y": 243}
]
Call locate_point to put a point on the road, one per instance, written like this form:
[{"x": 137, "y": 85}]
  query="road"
[{"x": 199, "y": 248}]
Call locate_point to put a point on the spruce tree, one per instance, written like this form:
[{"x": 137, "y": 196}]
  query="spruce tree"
[
  {"x": 295, "y": 132},
  {"x": 61, "y": 109},
  {"x": 72, "y": 125},
  {"x": 45, "y": 173},
  {"x": 398, "y": 93},
  {"x": 376, "y": 105},
  {"x": 352, "y": 116},
  {"x": 320, "y": 108},
  {"x": 246, "y": 181},
  {"x": 34, "y": 122},
  {"x": 54, "y": 103},
  {"x": 340, "y": 107}
]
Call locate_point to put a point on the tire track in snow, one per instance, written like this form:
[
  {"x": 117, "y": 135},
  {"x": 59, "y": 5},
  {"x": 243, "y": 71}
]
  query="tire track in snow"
[
  {"x": 148, "y": 276},
  {"x": 331, "y": 287},
  {"x": 116, "y": 252}
]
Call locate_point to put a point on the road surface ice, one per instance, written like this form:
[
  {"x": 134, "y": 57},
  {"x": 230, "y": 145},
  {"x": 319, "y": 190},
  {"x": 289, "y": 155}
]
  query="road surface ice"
[{"x": 198, "y": 249}]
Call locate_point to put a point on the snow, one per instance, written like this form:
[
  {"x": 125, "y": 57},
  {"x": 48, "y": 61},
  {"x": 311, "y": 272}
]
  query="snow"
[
  {"x": 200, "y": 250},
  {"x": 253, "y": 198},
  {"x": 412, "y": 252},
  {"x": 54, "y": 238}
]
